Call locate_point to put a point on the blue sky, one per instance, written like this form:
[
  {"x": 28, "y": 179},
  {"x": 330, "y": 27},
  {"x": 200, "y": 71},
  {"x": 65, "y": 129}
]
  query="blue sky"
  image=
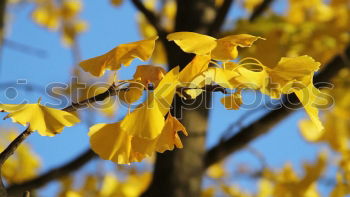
[{"x": 108, "y": 27}]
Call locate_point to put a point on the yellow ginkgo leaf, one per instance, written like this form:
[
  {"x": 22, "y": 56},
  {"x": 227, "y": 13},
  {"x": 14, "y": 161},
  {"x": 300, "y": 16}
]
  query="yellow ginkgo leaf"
[
  {"x": 47, "y": 121},
  {"x": 146, "y": 121},
  {"x": 198, "y": 65},
  {"x": 308, "y": 97},
  {"x": 226, "y": 48},
  {"x": 232, "y": 102},
  {"x": 169, "y": 136},
  {"x": 133, "y": 92},
  {"x": 220, "y": 76},
  {"x": 122, "y": 54},
  {"x": 293, "y": 69},
  {"x": 165, "y": 91},
  {"x": 167, "y": 140},
  {"x": 149, "y": 73},
  {"x": 110, "y": 142},
  {"x": 142, "y": 148},
  {"x": 250, "y": 79},
  {"x": 191, "y": 42}
]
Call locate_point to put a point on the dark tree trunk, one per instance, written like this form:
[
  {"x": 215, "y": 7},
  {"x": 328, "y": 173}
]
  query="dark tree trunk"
[{"x": 179, "y": 173}]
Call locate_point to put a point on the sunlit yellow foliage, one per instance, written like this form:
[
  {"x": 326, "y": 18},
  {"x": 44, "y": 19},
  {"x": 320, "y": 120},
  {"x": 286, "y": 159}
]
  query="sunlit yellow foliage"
[
  {"x": 336, "y": 119},
  {"x": 143, "y": 131},
  {"x": 149, "y": 74},
  {"x": 146, "y": 121},
  {"x": 304, "y": 30},
  {"x": 288, "y": 183},
  {"x": 191, "y": 42},
  {"x": 112, "y": 142},
  {"x": 133, "y": 92},
  {"x": 226, "y": 48},
  {"x": 47, "y": 121},
  {"x": 223, "y": 49},
  {"x": 122, "y": 54},
  {"x": 282, "y": 64}
]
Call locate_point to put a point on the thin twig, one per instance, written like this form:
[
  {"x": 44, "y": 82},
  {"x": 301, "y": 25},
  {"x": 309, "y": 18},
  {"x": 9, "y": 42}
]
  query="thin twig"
[
  {"x": 4, "y": 155},
  {"x": 26, "y": 49}
]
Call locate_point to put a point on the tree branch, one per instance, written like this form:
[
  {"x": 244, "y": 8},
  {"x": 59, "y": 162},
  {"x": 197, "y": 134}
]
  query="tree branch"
[
  {"x": 8, "y": 152},
  {"x": 75, "y": 164},
  {"x": 14, "y": 144},
  {"x": 219, "y": 20},
  {"x": 268, "y": 121},
  {"x": 56, "y": 173},
  {"x": 258, "y": 11},
  {"x": 24, "y": 48}
]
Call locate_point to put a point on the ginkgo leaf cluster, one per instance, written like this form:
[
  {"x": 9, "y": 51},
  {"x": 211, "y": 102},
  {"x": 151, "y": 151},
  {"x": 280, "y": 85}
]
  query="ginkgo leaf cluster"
[{"x": 150, "y": 127}]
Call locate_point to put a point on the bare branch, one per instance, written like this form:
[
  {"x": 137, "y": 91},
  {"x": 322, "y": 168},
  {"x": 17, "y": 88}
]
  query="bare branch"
[
  {"x": 13, "y": 146},
  {"x": 258, "y": 11},
  {"x": 112, "y": 91},
  {"x": 56, "y": 173},
  {"x": 268, "y": 121},
  {"x": 24, "y": 48},
  {"x": 219, "y": 20},
  {"x": 4, "y": 155}
]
